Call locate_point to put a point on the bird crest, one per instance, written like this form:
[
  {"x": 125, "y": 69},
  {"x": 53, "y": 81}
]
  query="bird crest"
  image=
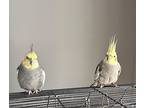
[
  {"x": 31, "y": 54},
  {"x": 112, "y": 45}
]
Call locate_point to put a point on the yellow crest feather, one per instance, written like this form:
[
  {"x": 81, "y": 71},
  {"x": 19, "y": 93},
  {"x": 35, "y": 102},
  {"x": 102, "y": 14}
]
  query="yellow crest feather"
[{"x": 112, "y": 45}]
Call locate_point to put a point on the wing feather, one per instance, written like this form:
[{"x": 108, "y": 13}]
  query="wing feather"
[{"x": 98, "y": 70}]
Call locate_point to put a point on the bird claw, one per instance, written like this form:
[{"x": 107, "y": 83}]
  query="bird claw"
[
  {"x": 97, "y": 85},
  {"x": 94, "y": 84},
  {"x": 39, "y": 90},
  {"x": 101, "y": 86},
  {"x": 35, "y": 91},
  {"x": 114, "y": 85},
  {"x": 30, "y": 92}
]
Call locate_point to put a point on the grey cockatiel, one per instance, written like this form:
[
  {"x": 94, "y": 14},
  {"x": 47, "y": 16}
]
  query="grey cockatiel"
[
  {"x": 109, "y": 69},
  {"x": 31, "y": 76}
]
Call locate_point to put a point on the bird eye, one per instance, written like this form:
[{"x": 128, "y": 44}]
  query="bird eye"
[
  {"x": 106, "y": 56},
  {"x": 27, "y": 57}
]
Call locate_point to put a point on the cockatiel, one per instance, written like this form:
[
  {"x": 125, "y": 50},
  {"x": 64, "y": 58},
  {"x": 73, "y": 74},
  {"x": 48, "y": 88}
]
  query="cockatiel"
[
  {"x": 109, "y": 69},
  {"x": 31, "y": 76}
]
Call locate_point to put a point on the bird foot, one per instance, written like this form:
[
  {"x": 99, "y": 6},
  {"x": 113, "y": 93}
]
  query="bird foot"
[
  {"x": 101, "y": 86},
  {"x": 114, "y": 85},
  {"x": 94, "y": 84},
  {"x": 39, "y": 90},
  {"x": 35, "y": 91},
  {"x": 30, "y": 92}
]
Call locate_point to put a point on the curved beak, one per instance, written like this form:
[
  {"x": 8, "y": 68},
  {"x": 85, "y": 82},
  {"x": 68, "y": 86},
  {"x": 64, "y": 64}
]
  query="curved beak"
[
  {"x": 107, "y": 57},
  {"x": 30, "y": 61}
]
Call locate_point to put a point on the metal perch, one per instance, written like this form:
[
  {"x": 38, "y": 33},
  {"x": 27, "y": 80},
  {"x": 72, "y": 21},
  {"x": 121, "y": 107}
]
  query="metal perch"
[{"x": 84, "y": 97}]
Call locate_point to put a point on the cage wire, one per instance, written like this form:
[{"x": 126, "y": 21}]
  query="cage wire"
[{"x": 123, "y": 96}]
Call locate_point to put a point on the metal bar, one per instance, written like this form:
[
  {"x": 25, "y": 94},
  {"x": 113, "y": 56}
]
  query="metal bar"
[
  {"x": 58, "y": 99},
  {"x": 110, "y": 98},
  {"x": 77, "y": 97},
  {"x": 48, "y": 101}
]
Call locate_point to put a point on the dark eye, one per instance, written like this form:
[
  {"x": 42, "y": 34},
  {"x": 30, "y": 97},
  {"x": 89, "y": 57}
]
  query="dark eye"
[
  {"x": 27, "y": 57},
  {"x": 114, "y": 56}
]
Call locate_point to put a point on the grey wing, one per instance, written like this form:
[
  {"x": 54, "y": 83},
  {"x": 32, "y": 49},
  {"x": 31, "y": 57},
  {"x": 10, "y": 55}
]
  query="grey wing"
[
  {"x": 98, "y": 70},
  {"x": 119, "y": 71},
  {"x": 41, "y": 79},
  {"x": 21, "y": 77},
  {"x": 19, "y": 72},
  {"x": 19, "y": 67}
]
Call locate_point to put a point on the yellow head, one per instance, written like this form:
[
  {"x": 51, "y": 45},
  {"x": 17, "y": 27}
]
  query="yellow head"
[
  {"x": 111, "y": 56},
  {"x": 30, "y": 61}
]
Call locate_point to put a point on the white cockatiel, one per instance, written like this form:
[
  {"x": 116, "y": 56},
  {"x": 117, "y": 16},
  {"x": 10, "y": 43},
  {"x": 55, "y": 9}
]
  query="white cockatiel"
[
  {"x": 31, "y": 76},
  {"x": 109, "y": 69}
]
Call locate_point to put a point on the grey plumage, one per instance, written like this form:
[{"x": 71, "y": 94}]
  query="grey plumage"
[
  {"x": 109, "y": 69},
  {"x": 106, "y": 74},
  {"x": 31, "y": 80}
]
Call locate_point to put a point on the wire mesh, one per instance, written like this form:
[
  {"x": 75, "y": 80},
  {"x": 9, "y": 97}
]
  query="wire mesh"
[{"x": 123, "y": 96}]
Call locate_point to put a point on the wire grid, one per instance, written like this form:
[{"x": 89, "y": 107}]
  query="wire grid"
[{"x": 123, "y": 96}]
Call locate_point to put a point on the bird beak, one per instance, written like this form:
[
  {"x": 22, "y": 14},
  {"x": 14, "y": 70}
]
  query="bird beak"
[
  {"x": 107, "y": 57},
  {"x": 31, "y": 62}
]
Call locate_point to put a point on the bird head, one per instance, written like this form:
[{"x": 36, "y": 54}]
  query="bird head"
[
  {"x": 30, "y": 61},
  {"x": 111, "y": 55}
]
